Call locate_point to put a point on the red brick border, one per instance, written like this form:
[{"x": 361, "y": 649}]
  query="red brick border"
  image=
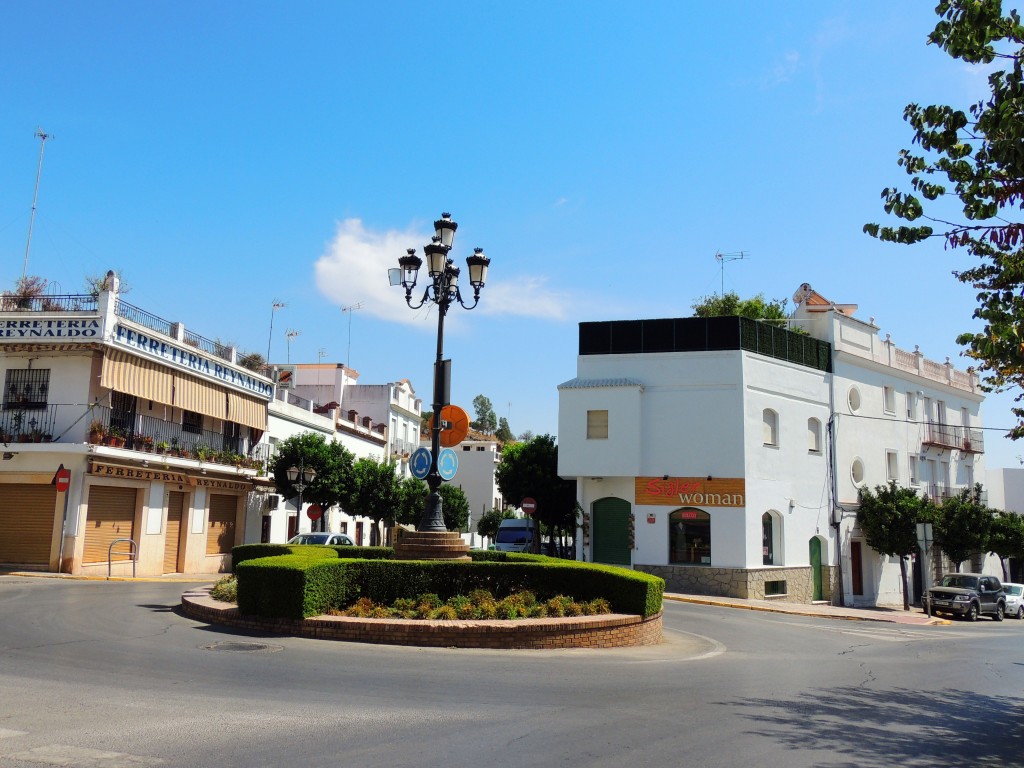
[{"x": 614, "y": 630}]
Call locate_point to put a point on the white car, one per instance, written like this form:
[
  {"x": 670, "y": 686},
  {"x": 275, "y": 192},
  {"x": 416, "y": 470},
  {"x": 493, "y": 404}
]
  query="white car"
[
  {"x": 1014, "y": 599},
  {"x": 321, "y": 538}
]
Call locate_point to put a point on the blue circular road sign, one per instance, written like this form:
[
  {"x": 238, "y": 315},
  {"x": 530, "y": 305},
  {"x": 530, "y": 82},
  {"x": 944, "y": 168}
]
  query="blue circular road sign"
[
  {"x": 419, "y": 463},
  {"x": 447, "y": 464}
]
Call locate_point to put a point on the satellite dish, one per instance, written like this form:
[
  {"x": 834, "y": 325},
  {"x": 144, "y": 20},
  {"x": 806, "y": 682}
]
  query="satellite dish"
[{"x": 801, "y": 293}]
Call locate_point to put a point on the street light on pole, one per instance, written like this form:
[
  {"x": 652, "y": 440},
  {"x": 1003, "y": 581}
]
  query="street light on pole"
[
  {"x": 301, "y": 478},
  {"x": 442, "y": 290}
]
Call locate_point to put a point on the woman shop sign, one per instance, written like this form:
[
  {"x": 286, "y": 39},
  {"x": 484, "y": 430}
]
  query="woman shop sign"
[{"x": 687, "y": 491}]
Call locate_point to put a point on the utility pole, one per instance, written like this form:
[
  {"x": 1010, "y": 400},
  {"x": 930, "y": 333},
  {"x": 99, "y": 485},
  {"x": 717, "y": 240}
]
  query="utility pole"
[
  {"x": 724, "y": 257},
  {"x": 35, "y": 197}
]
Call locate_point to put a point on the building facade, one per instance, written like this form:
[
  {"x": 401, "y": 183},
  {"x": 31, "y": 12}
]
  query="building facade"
[
  {"x": 725, "y": 455},
  {"x": 130, "y": 444}
]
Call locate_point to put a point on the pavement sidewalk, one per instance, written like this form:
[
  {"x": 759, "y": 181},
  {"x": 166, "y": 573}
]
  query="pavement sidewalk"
[{"x": 892, "y": 615}]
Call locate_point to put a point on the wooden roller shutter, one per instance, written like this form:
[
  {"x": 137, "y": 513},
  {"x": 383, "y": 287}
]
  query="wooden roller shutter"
[
  {"x": 26, "y": 523},
  {"x": 111, "y": 516},
  {"x": 220, "y": 532},
  {"x": 175, "y": 507}
]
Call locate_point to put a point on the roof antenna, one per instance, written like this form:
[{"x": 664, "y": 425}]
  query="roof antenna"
[
  {"x": 35, "y": 196},
  {"x": 724, "y": 257}
]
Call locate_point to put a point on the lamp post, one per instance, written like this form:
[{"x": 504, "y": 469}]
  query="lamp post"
[
  {"x": 301, "y": 478},
  {"x": 442, "y": 290}
]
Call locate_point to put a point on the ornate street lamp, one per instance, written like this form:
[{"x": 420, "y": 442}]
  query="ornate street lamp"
[
  {"x": 442, "y": 290},
  {"x": 307, "y": 476}
]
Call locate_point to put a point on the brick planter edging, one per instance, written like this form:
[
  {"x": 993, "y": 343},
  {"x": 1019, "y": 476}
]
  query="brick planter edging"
[{"x": 614, "y": 630}]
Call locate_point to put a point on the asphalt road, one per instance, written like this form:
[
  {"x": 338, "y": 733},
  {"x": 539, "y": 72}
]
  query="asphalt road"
[{"x": 107, "y": 675}]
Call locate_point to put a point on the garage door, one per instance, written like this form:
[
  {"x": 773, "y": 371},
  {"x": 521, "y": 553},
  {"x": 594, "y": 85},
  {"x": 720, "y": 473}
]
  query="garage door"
[
  {"x": 220, "y": 532},
  {"x": 175, "y": 506},
  {"x": 26, "y": 523},
  {"x": 111, "y": 516}
]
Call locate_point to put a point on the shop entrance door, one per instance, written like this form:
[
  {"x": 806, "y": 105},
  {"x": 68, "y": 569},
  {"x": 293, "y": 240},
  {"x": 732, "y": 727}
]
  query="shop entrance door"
[
  {"x": 815, "y": 550},
  {"x": 611, "y": 531}
]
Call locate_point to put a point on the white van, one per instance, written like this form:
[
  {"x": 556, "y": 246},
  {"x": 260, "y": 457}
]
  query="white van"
[{"x": 515, "y": 535}]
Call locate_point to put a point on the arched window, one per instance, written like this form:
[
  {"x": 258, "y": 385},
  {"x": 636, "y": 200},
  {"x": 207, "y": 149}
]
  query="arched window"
[
  {"x": 771, "y": 538},
  {"x": 689, "y": 537},
  {"x": 813, "y": 436},
  {"x": 771, "y": 427}
]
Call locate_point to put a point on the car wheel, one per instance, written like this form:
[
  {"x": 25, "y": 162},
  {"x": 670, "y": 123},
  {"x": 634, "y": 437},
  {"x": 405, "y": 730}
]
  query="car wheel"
[
  {"x": 1000, "y": 609},
  {"x": 972, "y": 612},
  {"x": 1020, "y": 613}
]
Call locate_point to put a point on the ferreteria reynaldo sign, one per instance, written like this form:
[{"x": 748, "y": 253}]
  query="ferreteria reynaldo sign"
[
  {"x": 691, "y": 491},
  {"x": 87, "y": 328},
  {"x": 190, "y": 360}
]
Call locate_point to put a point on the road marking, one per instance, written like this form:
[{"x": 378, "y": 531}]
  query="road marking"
[
  {"x": 881, "y": 633},
  {"x": 81, "y": 757},
  {"x": 7, "y": 734}
]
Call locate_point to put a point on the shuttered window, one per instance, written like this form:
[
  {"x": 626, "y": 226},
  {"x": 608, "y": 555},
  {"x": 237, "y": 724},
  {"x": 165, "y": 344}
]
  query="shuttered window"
[
  {"x": 111, "y": 516},
  {"x": 26, "y": 523},
  {"x": 220, "y": 531}
]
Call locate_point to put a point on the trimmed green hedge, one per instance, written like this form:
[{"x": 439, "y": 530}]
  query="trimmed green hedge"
[
  {"x": 300, "y": 585},
  {"x": 245, "y": 552}
]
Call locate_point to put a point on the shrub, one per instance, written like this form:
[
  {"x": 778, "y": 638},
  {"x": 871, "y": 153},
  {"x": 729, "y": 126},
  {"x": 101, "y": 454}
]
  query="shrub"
[
  {"x": 445, "y": 613},
  {"x": 225, "y": 590}
]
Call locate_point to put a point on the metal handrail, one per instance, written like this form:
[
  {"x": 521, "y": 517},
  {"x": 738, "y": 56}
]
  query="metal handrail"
[{"x": 133, "y": 552}]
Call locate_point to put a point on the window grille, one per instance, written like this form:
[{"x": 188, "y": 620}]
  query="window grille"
[{"x": 26, "y": 388}]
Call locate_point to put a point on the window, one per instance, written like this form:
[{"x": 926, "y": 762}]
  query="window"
[
  {"x": 857, "y": 472},
  {"x": 965, "y": 418},
  {"x": 597, "y": 425},
  {"x": 774, "y": 588},
  {"x": 770, "y": 428},
  {"x": 191, "y": 422},
  {"x": 853, "y": 398},
  {"x": 232, "y": 437},
  {"x": 913, "y": 470},
  {"x": 26, "y": 388},
  {"x": 911, "y": 406},
  {"x": 892, "y": 471},
  {"x": 767, "y": 540},
  {"x": 889, "y": 399},
  {"x": 813, "y": 436},
  {"x": 690, "y": 537}
]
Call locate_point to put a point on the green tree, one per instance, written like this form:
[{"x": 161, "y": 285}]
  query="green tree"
[
  {"x": 486, "y": 421},
  {"x": 962, "y": 525},
  {"x": 334, "y": 483},
  {"x": 378, "y": 493},
  {"x": 888, "y": 518},
  {"x": 756, "y": 308},
  {"x": 488, "y": 523},
  {"x": 504, "y": 433},
  {"x": 454, "y": 507},
  {"x": 531, "y": 470},
  {"x": 1006, "y": 538},
  {"x": 412, "y": 499},
  {"x": 976, "y": 152}
]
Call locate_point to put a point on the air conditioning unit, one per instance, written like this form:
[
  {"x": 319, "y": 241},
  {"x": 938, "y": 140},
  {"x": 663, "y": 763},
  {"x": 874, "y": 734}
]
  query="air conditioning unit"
[{"x": 272, "y": 501}]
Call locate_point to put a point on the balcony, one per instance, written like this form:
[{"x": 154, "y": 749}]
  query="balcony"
[
  {"x": 939, "y": 493},
  {"x": 65, "y": 423},
  {"x": 948, "y": 436}
]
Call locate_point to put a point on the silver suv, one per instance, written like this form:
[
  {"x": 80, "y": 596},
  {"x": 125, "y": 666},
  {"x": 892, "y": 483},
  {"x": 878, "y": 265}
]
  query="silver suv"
[{"x": 968, "y": 595}]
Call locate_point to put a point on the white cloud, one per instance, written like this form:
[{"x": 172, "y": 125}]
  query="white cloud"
[
  {"x": 782, "y": 71},
  {"x": 354, "y": 268}
]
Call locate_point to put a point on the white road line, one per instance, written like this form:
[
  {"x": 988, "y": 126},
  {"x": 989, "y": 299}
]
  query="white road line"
[
  {"x": 81, "y": 757},
  {"x": 6, "y": 733}
]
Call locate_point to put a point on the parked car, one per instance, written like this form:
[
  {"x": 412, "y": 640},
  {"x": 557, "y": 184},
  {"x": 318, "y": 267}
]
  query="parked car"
[
  {"x": 968, "y": 595},
  {"x": 1014, "y": 599},
  {"x": 321, "y": 538}
]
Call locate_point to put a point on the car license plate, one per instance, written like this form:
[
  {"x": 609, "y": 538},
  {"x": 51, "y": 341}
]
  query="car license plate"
[{"x": 940, "y": 602}]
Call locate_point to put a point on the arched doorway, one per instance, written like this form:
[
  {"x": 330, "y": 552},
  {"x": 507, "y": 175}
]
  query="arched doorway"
[
  {"x": 815, "y": 554},
  {"x": 610, "y": 531}
]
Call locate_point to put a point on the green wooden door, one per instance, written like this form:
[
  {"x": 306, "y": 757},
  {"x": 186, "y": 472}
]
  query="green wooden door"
[
  {"x": 815, "y": 546},
  {"x": 610, "y": 531}
]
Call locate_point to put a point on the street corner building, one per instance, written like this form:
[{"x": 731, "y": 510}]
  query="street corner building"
[
  {"x": 131, "y": 445},
  {"x": 725, "y": 454}
]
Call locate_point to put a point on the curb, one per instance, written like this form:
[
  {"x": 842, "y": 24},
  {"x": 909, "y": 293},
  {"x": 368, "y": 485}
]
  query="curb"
[
  {"x": 932, "y": 622},
  {"x": 199, "y": 579}
]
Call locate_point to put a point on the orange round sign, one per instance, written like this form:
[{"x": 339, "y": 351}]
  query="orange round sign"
[{"x": 458, "y": 425}]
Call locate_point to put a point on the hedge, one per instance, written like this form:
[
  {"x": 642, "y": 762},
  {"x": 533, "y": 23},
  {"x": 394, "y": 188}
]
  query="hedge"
[
  {"x": 301, "y": 585},
  {"x": 245, "y": 552}
]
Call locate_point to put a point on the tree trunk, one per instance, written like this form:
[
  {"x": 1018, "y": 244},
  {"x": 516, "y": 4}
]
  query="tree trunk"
[{"x": 903, "y": 581}]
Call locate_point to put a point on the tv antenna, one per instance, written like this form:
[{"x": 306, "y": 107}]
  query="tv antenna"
[
  {"x": 724, "y": 257},
  {"x": 290, "y": 334},
  {"x": 350, "y": 309},
  {"x": 35, "y": 196}
]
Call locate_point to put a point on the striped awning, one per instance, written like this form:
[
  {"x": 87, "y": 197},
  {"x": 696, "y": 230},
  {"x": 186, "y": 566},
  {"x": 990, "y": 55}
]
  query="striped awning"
[
  {"x": 135, "y": 376},
  {"x": 192, "y": 394},
  {"x": 250, "y": 411}
]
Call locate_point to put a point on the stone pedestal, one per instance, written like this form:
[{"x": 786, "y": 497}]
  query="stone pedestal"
[{"x": 432, "y": 545}]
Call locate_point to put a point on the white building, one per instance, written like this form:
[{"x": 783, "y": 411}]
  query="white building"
[
  {"x": 124, "y": 434},
  {"x": 395, "y": 405},
  {"x": 725, "y": 455}
]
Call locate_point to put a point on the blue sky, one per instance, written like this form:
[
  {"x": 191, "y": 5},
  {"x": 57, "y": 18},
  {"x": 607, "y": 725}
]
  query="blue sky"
[{"x": 224, "y": 156}]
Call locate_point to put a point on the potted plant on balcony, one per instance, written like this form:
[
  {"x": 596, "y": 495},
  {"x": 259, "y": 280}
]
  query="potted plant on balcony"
[
  {"x": 144, "y": 443},
  {"x": 162, "y": 446},
  {"x": 115, "y": 437},
  {"x": 17, "y": 427},
  {"x": 97, "y": 432}
]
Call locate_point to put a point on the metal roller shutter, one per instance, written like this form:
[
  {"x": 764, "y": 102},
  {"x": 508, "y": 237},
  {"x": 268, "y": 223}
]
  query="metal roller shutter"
[
  {"x": 220, "y": 533},
  {"x": 175, "y": 506},
  {"x": 111, "y": 516},
  {"x": 26, "y": 523}
]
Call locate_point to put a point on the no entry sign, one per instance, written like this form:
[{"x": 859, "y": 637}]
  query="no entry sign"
[
  {"x": 62, "y": 479},
  {"x": 528, "y": 505},
  {"x": 314, "y": 511}
]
